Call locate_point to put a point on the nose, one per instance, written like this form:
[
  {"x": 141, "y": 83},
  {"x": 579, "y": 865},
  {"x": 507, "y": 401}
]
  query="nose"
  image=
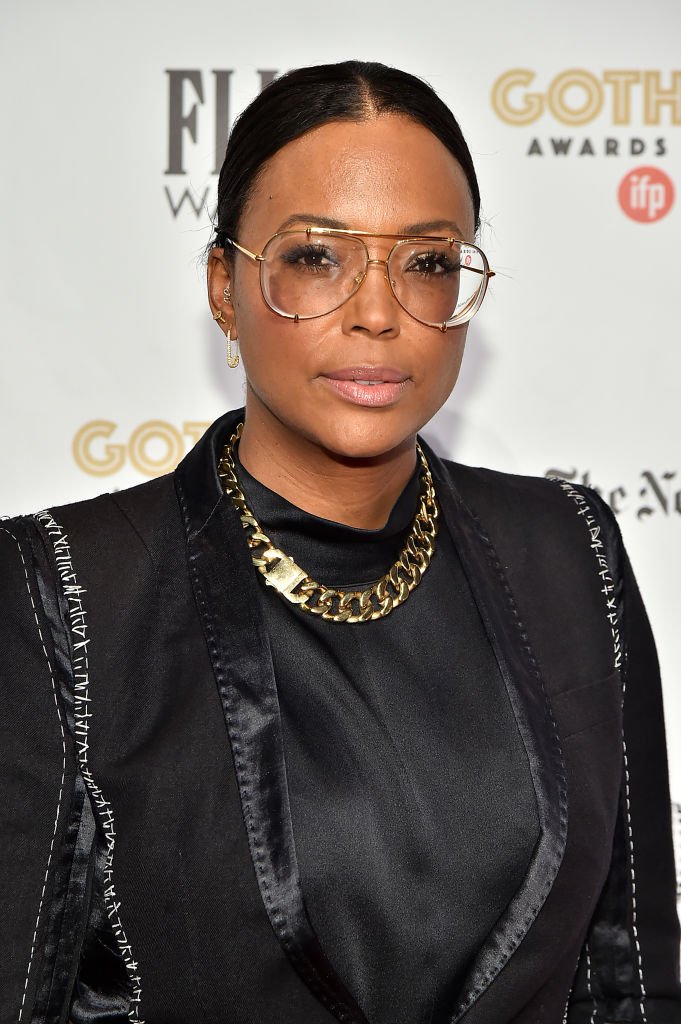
[{"x": 373, "y": 309}]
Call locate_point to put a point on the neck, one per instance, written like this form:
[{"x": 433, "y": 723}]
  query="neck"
[{"x": 355, "y": 492}]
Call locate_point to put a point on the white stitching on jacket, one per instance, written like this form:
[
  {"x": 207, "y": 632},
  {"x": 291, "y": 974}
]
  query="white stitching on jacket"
[
  {"x": 608, "y": 590},
  {"x": 592, "y": 1018},
  {"x": 63, "y": 768},
  {"x": 569, "y": 995},
  {"x": 630, "y": 837},
  {"x": 73, "y": 594}
]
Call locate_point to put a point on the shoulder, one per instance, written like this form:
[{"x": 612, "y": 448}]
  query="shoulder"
[
  {"x": 557, "y": 549},
  {"x": 514, "y": 493},
  {"x": 545, "y": 507},
  {"x": 15, "y": 565},
  {"x": 25, "y": 636},
  {"x": 121, "y": 530},
  {"x": 548, "y": 534},
  {"x": 123, "y": 525}
]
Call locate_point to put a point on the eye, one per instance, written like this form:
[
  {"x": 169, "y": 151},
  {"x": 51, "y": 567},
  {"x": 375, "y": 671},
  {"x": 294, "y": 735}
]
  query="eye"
[
  {"x": 432, "y": 263},
  {"x": 309, "y": 257}
]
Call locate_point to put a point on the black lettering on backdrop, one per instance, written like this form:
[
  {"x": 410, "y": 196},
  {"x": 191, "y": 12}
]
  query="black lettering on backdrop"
[
  {"x": 181, "y": 120},
  {"x": 654, "y": 490},
  {"x": 191, "y": 198},
  {"x": 221, "y": 116},
  {"x": 588, "y": 146},
  {"x": 178, "y": 121},
  {"x": 186, "y": 99},
  {"x": 266, "y": 78},
  {"x": 657, "y": 493}
]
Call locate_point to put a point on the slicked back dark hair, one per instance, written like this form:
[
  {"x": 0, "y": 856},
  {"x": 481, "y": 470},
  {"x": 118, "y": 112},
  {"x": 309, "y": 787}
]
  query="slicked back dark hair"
[{"x": 308, "y": 98}]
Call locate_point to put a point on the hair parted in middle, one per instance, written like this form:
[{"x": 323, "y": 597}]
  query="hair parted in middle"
[{"x": 310, "y": 97}]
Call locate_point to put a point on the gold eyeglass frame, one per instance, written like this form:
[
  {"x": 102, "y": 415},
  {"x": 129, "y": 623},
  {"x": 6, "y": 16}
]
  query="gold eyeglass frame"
[{"x": 469, "y": 311}]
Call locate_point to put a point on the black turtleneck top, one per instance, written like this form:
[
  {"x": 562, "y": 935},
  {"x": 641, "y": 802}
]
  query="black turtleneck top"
[{"x": 404, "y": 867}]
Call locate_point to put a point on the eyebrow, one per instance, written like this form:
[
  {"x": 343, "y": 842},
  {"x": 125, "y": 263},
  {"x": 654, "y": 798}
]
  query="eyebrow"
[{"x": 420, "y": 228}]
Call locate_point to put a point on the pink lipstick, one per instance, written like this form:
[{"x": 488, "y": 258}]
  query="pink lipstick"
[{"x": 373, "y": 386}]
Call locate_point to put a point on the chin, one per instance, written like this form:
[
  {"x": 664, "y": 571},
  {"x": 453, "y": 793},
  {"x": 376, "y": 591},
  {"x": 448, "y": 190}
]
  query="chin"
[{"x": 366, "y": 439}]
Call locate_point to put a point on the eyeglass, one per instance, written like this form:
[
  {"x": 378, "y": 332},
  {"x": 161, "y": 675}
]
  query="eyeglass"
[{"x": 309, "y": 272}]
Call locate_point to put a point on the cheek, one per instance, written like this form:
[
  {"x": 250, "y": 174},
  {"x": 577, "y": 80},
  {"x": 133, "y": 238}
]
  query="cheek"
[
  {"x": 441, "y": 369},
  {"x": 263, "y": 336},
  {"x": 276, "y": 355},
  {"x": 249, "y": 305}
]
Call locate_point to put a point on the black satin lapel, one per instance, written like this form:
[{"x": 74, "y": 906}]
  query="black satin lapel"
[
  {"x": 537, "y": 728},
  {"x": 68, "y": 911},
  {"x": 80, "y": 938},
  {"x": 224, "y": 584}
]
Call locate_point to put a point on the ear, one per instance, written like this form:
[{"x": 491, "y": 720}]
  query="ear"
[{"x": 219, "y": 278}]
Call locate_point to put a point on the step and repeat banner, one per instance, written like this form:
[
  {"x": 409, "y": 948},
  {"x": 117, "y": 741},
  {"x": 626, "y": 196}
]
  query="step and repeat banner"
[{"x": 115, "y": 119}]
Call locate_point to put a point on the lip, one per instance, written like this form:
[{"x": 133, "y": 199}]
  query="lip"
[
  {"x": 387, "y": 385},
  {"x": 380, "y": 374}
]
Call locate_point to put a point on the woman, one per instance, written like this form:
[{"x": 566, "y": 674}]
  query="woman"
[{"x": 323, "y": 727}]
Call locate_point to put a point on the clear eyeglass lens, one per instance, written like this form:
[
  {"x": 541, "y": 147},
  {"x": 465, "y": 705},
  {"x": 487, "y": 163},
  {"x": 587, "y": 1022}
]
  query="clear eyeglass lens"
[
  {"x": 309, "y": 275},
  {"x": 437, "y": 282}
]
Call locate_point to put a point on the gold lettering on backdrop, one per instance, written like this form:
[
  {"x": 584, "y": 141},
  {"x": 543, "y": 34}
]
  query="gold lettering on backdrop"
[
  {"x": 621, "y": 82},
  {"x": 155, "y": 431},
  {"x": 576, "y": 96},
  {"x": 569, "y": 82},
  {"x": 656, "y": 97},
  {"x": 194, "y": 431},
  {"x": 113, "y": 458},
  {"x": 533, "y": 103},
  {"x": 154, "y": 447}
]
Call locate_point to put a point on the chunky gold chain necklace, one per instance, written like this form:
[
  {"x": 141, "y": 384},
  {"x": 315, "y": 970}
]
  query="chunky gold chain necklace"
[{"x": 293, "y": 583}]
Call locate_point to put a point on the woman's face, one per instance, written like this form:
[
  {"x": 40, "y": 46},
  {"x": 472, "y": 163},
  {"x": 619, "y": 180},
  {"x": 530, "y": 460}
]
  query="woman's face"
[{"x": 389, "y": 175}]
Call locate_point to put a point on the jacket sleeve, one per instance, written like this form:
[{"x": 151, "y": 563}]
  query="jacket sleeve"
[
  {"x": 629, "y": 970},
  {"x": 36, "y": 781}
]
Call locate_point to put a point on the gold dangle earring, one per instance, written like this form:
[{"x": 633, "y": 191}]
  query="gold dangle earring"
[{"x": 232, "y": 355}]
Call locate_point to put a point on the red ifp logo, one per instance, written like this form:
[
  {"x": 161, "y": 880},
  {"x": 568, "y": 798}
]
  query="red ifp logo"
[{"x": 646, "y": 194}]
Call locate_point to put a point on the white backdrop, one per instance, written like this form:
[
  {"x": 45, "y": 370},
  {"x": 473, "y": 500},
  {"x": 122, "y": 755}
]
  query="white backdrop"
[{"x": 111, "y": 362}]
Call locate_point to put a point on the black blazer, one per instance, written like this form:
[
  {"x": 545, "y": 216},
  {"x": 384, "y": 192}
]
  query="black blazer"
[{"x": 147, "y": 864}]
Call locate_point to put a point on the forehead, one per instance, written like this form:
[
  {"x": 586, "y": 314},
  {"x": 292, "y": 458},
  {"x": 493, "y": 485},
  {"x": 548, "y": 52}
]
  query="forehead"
[{"x": 380, "y": 174}]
